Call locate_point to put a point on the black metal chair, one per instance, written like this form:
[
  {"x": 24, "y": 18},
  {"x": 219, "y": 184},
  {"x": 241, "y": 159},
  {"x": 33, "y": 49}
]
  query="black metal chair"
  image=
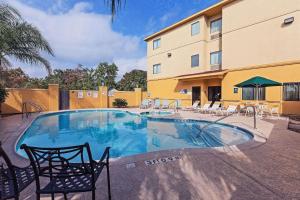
[
  {"x": 13, "y": 179},
  {"x": 67, "y": 169}
]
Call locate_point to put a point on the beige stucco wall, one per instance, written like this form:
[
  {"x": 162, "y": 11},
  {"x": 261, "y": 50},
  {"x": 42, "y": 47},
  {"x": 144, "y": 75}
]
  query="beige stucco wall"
[
  {"x": 254, "y": 34},
  {"x": 182, "y": 45}
]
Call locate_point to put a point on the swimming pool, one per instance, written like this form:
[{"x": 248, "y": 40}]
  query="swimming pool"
[{"x": 126, "y": 133}]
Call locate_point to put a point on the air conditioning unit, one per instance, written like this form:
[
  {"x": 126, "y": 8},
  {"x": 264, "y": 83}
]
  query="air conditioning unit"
[
  {"x": 216, "y": 36},
  {"x": 215, "y": 67}
]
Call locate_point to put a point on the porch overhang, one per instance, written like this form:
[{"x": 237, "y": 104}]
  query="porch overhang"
[{"x": 216, "y": 74}]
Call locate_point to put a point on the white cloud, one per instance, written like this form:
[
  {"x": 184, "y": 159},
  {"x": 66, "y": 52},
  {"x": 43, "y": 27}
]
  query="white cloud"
[
  {"x": 129, "y": 64},
  {"x": 81, "y": 36}
]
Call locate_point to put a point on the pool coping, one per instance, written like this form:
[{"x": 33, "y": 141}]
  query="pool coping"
[{"x": 254, "y": 142}]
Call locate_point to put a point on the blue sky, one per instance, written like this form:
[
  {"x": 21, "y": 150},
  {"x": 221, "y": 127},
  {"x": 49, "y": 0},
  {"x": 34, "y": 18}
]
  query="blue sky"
[{"x": 81, "y": 31}]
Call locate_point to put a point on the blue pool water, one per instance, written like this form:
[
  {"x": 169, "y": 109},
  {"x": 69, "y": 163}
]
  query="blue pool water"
[{"x": 126, "y": 133}]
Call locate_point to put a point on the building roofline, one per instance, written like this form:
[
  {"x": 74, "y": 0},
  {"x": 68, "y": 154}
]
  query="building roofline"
[{"x": 207, "y": 11}]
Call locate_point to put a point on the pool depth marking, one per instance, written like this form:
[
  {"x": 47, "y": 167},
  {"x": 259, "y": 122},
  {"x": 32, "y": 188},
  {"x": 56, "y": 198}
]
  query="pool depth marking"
[{"x": 161, "y": 160}]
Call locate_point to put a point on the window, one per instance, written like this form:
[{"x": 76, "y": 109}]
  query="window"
[
  {"x": 291, "y": 91},
  {"x": 195, "y": 28},
  {"x": 216, "y": 58},
  {"x": 251, "y": 93},
  {"x": 156, "y": 43},
  {"x": 156, "y": 69},
  {"x": 216, "y": 26},
  {"x": 195, "y": 60},
  {"x": 214, "y": 93}
]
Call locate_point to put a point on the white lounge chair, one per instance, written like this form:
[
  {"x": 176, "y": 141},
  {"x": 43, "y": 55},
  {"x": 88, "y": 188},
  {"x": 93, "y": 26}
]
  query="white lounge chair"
[
  {"x": 204, "y": 108},
  {"x": 165, "y": 104},
  {"x": 230, "y": 110},
  {"x": 275, "y": 111},
  {"x": 195, "y": 106},
  {"x": 156, "y": 104},
  {"x": 214, "y": 108},
  {"x": 145, "y": 104}
]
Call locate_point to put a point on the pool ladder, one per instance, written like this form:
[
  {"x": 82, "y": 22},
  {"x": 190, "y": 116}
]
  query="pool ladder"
[{"x": 32, "y": 104}]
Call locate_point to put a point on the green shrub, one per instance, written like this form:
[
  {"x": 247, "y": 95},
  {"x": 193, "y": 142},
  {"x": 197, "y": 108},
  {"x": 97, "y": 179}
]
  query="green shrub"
[{"x": 120, "y": 103}]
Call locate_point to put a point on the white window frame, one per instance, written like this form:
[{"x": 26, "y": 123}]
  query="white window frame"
[
  {"x": 220, "y": 58},
  {"x": 215, "y": 31},
  {"x": 156, "y": 69},
  {"x": 198, "y": 31},
  {"x": 156, "y": 43},
  {"x": 192, "y": 60}
]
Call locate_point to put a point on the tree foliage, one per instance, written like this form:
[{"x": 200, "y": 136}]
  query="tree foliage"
[
  {"x": 20, "y": 40},
  {"x": 3, "y": 94},
  {"x": 79, "y": 78},
  {"x": 134, "y": 79}
]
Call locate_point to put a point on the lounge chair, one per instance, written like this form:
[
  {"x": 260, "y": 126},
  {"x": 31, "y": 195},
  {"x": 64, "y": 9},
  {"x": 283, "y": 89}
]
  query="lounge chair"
[
  {"x": 145, "y": 104},
  {"x": 68, "y": 169},
  {"x": 274, "y": 111},
  {"x": 165, "y": 104},
  {"x": 204, "y": 108},
  {"x": 195, "y": 106},
  {"x": 230, "y": 110},
  {"x": 156, "y": 104},
  {"x": 13, "y": 179},
  {"x": 214, "y": 108}
]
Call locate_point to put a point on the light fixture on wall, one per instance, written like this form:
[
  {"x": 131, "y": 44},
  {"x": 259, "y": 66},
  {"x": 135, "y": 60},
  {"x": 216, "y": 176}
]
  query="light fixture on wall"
[{"x": 288, "y": 20}]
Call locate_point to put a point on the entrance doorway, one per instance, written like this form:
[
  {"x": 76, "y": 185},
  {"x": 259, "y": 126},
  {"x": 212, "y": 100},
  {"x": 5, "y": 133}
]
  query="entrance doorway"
[{"x": 196, "y": 91}]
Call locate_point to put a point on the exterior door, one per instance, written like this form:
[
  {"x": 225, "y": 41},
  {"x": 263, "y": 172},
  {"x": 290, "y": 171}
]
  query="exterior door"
[
  {"x": 196, "y": 94},
  {"x": 64, "y": 100}
]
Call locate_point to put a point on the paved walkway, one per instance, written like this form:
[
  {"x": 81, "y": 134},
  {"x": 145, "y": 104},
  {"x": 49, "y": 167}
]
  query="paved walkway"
[{"x": 261, "y": 169}]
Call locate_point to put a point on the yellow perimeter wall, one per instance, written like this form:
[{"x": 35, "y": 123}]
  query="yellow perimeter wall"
[
  {"x": 49, "y": 98},
  {"x": 288, "y": 72}
]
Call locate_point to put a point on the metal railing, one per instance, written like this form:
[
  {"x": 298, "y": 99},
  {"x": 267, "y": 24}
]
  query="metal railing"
[{"x": 25, "y": 106}]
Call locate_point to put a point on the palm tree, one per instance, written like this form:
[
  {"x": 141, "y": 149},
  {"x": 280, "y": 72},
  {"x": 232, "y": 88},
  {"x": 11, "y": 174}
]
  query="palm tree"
[{"x": 20, "y": 40}]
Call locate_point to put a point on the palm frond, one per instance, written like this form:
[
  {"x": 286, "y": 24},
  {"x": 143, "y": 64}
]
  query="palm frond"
[
  {"x": 33, "y": 58},
  {"x": 21, "y": 40},
  {"x": 114, "y": 5},
  {"x": 8, "y": 14}
]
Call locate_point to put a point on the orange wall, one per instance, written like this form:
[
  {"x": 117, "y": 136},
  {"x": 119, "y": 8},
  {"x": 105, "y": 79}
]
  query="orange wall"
[
  {"x": 130, "y": 96},
  {"x": 16, "y": 97},
  {"x": 49, "y": 98},
  {"x": 86, "y": 101}
]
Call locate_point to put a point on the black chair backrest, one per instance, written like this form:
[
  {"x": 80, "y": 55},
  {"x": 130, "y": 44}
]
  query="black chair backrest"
[
  {"x": 60, "y": 162},
  {"x": 7, "y": 166}
]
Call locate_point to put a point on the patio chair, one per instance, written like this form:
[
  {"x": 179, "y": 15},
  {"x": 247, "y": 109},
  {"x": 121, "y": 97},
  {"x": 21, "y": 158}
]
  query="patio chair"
[
  {"x": 249, "y": 111},
  {"x": 13, "y": 179},
  {"x": 194, "y": 106},
  {"x": 156, "y": 104},
  {"x": 215, "y": 107},
  {"x": 145, "y": 104},
  {"x": 204, "y": 108},
  {"x": 275, "y": 111},
  {"x": 165, "y": 104},
  {"x": 67, "y": 169},
  {"x": 231, "y": 109}
]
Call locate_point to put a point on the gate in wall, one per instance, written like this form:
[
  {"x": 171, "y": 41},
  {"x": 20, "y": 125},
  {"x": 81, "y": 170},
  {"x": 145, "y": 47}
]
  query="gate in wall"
[{"x": 64, "y": 100}]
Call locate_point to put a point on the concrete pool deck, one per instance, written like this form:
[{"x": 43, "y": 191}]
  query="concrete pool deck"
[{"x": 260, "y": 169}]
